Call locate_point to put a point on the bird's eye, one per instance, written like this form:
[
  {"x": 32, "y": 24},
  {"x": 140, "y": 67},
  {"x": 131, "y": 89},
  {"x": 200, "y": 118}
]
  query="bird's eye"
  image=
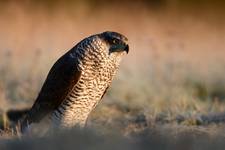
[{"x": 114, "y": 41}]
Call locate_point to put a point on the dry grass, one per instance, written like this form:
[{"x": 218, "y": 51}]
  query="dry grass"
[{"x": 172, "y": 78}]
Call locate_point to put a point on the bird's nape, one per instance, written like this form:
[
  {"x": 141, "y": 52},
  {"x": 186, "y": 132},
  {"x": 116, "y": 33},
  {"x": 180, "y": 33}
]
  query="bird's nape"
[{"x": 114, "y": 35}]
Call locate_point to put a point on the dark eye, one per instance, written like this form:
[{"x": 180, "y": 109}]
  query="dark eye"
[{"x": 115, "y": 41}]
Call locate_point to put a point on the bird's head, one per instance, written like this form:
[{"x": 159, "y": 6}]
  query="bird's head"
[{"x": 117, "y": 42}]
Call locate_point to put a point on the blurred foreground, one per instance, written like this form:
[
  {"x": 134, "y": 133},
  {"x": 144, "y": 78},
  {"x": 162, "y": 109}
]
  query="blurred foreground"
[{"x": 158, "y": 139}]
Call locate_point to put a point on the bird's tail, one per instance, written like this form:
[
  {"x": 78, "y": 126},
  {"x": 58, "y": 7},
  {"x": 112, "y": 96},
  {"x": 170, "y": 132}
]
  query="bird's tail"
[
  {"x": 15, "y": 116},
  {"x": 18, "y": 120}
]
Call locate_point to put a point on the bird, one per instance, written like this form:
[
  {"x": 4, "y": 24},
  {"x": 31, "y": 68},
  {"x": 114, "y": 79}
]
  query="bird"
[{"x": 77, "y": 81}]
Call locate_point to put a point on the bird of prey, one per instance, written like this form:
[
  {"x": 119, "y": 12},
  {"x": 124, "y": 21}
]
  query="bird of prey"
[{"x": 78, "y": 80}]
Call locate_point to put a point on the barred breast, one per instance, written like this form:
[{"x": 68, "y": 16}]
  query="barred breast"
[{"x": 96, "y": 75}]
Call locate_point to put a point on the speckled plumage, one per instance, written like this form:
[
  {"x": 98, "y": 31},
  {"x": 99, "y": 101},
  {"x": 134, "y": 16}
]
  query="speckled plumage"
[{"x": 78, "y": 80}]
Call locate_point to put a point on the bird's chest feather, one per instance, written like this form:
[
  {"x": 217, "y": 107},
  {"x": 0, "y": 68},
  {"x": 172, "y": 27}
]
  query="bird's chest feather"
[{"x": 83, "y": 98}]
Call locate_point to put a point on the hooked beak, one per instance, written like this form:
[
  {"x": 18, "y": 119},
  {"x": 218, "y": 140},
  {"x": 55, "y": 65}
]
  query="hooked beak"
[
  {"x": 119, "y": 48},
  {"x": 127, "y": 48}
]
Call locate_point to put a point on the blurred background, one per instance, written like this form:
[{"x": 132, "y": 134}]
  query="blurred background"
[{"x": 175, "y": 68}]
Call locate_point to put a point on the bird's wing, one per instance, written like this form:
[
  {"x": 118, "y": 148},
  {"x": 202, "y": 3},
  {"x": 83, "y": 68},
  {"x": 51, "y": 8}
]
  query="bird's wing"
[{"x": 60, "y": 81}]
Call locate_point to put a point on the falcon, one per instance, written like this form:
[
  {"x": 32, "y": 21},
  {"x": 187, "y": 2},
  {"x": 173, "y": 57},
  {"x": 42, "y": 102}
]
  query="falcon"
[{"x": 77, "y": 81}]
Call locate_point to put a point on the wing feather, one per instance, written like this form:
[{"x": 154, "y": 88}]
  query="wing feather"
[{"x": 60, "y": 81}]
